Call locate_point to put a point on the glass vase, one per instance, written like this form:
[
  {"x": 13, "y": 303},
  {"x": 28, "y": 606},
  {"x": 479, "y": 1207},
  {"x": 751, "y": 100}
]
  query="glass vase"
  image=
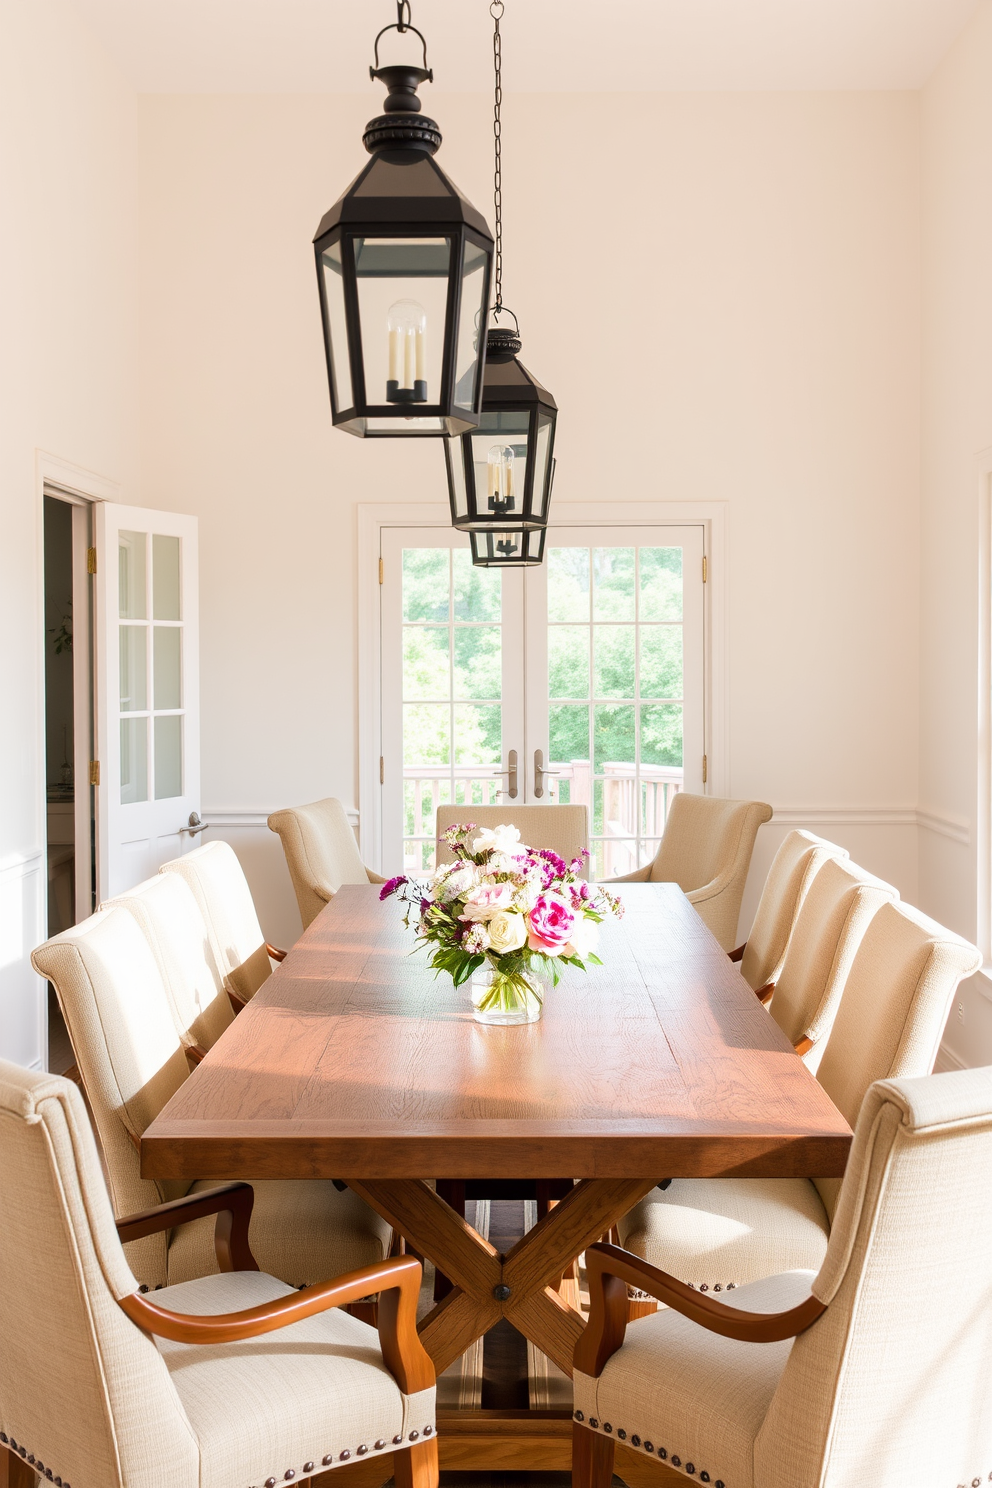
[{"x": 501, "y": 999}]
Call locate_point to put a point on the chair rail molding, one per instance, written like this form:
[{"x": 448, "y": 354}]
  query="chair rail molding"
[{"x": 242, "y": 816}]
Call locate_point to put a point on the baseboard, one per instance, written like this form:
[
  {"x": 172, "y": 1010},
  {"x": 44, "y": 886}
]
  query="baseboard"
[{"x": 946, "y": 1061}]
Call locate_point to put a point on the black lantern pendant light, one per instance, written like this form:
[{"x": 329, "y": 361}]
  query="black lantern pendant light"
[
  {"x": 500, "y": 474},
  {"x": 404, "y": 265}
]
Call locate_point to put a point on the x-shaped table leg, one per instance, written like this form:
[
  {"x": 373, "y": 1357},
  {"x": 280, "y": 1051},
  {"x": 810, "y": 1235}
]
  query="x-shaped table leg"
[{"x": 488, "y": 1286}]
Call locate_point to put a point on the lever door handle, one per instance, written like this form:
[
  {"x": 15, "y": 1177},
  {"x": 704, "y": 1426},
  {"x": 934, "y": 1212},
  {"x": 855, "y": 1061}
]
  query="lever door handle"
[
  {"x": 540, "y": 772},
  {"x": 195, "y": 825},
  {"x": 511, "y": 774}
]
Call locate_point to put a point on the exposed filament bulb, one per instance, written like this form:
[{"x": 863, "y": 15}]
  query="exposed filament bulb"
[
  {"x": 501, "y": 490},
  {"x": 406, "y": 323}
]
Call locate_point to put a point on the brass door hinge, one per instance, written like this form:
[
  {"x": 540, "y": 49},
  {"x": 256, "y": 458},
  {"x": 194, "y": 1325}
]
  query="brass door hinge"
[
  {"x": 382, "y": 770},
  {"x": 91, "y": 560},
  {"x": 380, "y": 570},
  {"x": 704, "y": 769},
  {"x": 704, "y": 568},
  {"x": 94, "y": 772}
]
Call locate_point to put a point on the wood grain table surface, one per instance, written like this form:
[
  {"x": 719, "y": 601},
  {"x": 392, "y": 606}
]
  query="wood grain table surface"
[{"x": 354, "y": 1061}]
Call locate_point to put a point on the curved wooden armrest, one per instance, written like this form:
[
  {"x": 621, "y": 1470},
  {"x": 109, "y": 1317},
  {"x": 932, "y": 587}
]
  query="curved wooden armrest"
[
  {"x": 397, "y": 1282},
  {"x": 275, "y": 952},
  {"x": 737, "y": 955},
  {"x": 610, "y": 1270},
  {"x": 232, "y": 1203},
  {"x": 195, "y": 1053},
  {"x": 764, "y": 994},
  {"x": 803, "y": 1046},
  {"x": 237, "y": 1003}
]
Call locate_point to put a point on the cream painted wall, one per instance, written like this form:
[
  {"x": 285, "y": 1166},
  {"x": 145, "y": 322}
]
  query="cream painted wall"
[
  {"x": 957, "y": 424},
  {"x": 67, "y": 381},
  {"x": 723, "y": 293}
]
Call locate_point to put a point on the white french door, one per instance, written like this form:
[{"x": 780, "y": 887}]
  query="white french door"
[
  {"x": 578, "y": 681},
  {"x": 147, "y": 690}
]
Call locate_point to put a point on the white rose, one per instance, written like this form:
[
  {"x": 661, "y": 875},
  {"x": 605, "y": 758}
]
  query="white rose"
[
  {"x": 507, "y": 931},
  {"x": 503, "y": 839},
  {"x": 584, "y": 937},
  {"x": 457, "y": 879}
]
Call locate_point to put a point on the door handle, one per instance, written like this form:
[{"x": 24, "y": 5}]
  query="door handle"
[
  {"x": 540, "y": 772},
  {"x": 511, "y": 774},
  {"x": 195, "y": 825}
]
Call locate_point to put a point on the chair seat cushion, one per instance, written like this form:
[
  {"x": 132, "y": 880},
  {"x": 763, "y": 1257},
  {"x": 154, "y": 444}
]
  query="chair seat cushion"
[
  {"x": 716, "y": 1232},
  {"x": 265, "y": 1407},
  {"x": 302, "y": 1230},
  {"x": 689, "y": 1398}
]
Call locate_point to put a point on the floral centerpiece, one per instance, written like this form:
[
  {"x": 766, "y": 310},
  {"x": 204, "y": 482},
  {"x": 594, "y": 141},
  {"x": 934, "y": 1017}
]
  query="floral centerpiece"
[{"x": 505, "y": 915}]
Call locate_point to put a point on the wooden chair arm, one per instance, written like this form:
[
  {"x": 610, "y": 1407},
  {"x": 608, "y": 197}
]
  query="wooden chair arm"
[
  {"x": 232, "y": 1203},
  {"x": 610, "y": 1270},
  {"x": 737, "y": 955},
  {"x": 275, "y": 952},
  {"x": 397, "y": 1282},
  {"x": 803, "y": 1046},
  {"x": 237, "y": 1003},
  {"x": 764, "y": 994},
  {"x": 195, "y": 1054}
]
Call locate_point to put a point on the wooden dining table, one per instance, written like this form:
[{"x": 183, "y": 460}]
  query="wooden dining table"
[{"x": 354, "y": 1062}]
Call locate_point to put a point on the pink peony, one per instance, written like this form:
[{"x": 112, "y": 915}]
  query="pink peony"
[{"x": 550, "y": 924}]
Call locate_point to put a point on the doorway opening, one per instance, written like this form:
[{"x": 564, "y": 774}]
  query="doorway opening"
[{"x": 70, "y": 826}]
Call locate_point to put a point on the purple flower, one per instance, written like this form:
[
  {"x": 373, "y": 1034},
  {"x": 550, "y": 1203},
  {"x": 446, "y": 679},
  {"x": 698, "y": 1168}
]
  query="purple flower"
[
  {"x": 392, "y": 885},
  {"x": 557, "y": 863}
]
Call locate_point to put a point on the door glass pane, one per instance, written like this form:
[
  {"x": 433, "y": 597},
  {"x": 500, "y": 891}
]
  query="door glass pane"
[
  {"x": 166, "y": 597},
  {"x": 426, "y": 662},
  {"x": 134, "y": 668},
  {"x": 168, "y": 756},
  {"x": 478, "y": 735},
  {"x": 628, "y": 766},
  {"x": 478, "y": 661},
  {"x": 134, "y": 760},
  {"x": 167, "y": 666},
  {"x": 425, "y": 583},
  {"x": 131, "y": 565},
  {"x": 478, "y": 592}
]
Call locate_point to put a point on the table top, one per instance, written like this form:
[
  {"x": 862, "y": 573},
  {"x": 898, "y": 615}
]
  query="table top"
[{"x": 353, "y": 1060}]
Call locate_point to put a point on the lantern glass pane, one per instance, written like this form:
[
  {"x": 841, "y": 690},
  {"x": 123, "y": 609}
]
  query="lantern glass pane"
[
  {"x": 499, "y": 461},
  {"x": 454, "y": 453},
  {"x": 402, "y": 303},
  {"x": 337, "y": 330},
  {"x": 471, "y": 324},
  {"x": 542, "y": 486}
]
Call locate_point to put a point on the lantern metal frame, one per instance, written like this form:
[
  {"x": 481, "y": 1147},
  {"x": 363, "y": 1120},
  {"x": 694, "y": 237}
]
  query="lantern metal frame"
[{"x": 402, "y": 196}]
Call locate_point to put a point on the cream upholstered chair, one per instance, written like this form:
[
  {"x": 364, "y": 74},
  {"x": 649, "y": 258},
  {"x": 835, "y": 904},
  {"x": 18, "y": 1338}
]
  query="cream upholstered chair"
[
  {"x": 841, "y": 903},
  {"x": 706, "y": 850},
  {"x": 720, "y": 1232},
  {"x": 216, "y": 879},
  {"x": 132, "y": 1061},
  {"x": 793, "y": 869},
  {"x": 874, "y": 1369},
  {"x": 101, "y": 1387},
  {"x": 321, "y": 853},
  {"x": 563, "y": 829},
  {"x": 170, "y": 920}
]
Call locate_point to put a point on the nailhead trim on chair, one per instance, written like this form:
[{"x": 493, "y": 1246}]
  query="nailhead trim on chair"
[
  {"x": 712, "y": 1286},
  {"x": 326, "y": 1461},
  {"x": 662, "y": 1452},
  {"x": 32, "y": 1460}
]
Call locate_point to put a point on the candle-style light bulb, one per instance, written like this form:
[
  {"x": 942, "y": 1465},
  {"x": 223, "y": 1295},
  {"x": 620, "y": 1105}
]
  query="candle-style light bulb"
[
  {"x": 406, "y": 324},
  {"x": 500, "y": 468}
]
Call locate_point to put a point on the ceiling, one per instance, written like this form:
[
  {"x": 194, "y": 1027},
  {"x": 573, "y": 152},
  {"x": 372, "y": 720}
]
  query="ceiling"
[{"x": 320, "y": 46}]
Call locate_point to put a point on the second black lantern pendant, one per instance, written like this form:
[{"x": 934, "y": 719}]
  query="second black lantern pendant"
[{"x": 500, "y": 474}]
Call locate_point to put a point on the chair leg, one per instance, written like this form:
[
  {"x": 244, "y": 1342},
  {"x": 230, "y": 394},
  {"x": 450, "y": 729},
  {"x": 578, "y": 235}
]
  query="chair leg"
[
  {"x": 592, "y": 1458},
  {"x": 14, "y": 1471},
  {"x": 417, "y": 1466}
]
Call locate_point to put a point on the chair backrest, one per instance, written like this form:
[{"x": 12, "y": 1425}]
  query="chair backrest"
[
  {"x": 840, "y": 905},
  {"x": 218, "y": 884},
  {"x": 116, "y": 1007},
  {"x": 321, "y": 852},
  {"x": 893, "y": 1384},
  {"x": 170, "y": 920},
  {"x": 892, "y": 1011},
  {"x": 708, "y": 843},
  {"x": 81, "y": 1388},
  {"x": 564, "y": 829},
  {"x": 793, "y": 869}
]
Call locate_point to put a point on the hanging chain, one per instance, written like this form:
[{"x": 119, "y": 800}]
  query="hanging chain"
[
  {"x": 496, "y": 11},
  {"x": 402, "y": 15}
]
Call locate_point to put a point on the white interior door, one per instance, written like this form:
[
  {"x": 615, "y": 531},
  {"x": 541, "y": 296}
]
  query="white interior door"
[{"x": 147, "y": 690}]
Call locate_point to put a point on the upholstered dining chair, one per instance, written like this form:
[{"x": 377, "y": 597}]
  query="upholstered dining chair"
[
  {"x": 232, "y": 1380},
  {"x": 876, "y": 1367},
  {"x": 715, "y": 1233},
  {"x": 793, "y": 869},
  {"x": 841, "y": 903},
  {"x": 321, "y": 853},
  {"x": 132, "y": 1060},
  {"x": 706, "y": 850},
  {"x": 563, "y": 829},
  {"x": 218, "y": 884}
]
